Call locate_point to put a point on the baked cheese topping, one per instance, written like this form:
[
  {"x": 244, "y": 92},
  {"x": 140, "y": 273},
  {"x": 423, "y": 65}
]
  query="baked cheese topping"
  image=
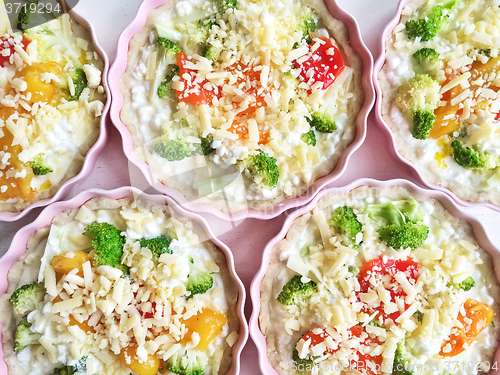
[
  {"x": 374, "y": 283},
  {"x": 258, "y": 87},
  {"x": 451, "y": 120},
  {"x": 50, "y": 101},
  {"x": 162, "y": 305}
]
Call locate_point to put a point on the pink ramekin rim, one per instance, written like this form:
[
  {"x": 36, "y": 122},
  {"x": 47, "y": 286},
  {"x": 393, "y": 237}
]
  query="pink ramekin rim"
[
  {"x": 379, "y": 63},
  {"x": 119, "y": 67},
  {"x": 19, "y": 242},
  {"x": 94, "y": 151},
  {"x": 448, "y": 203}
]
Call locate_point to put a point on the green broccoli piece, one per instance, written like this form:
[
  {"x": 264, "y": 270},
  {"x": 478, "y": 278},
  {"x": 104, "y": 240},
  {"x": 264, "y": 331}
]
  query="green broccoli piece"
[
  {"x": 169, "y": 49},
  {"x": 467, "y": 157},
  {"x": 303, "y": 366},
  {"x": 165, "y": 88},
  {"x": 419, "y": 97},
  {"x": 27, "y": 297},
  {"x": 426, "y": 54},
  {"x": 423, "y": 122},
  {"x": 407, "y": 235},
  {"x": 323, "y": 122},
  {"x": 353, "y": 270},
  {"x": 427, "y": 26},
  {"x": 419, "y": 315},
  {"x": 403, "y": 361},
  {"x": 198, "y": 281},
  {"x": 206, "y": 144},
  {"x": 466, "y": 285},
  {"x": 404, "y": 228},
  {"x": 107, "y": 242},
  {"x": 172, "y": 149},
  {"x": 29, "y": 17},
  {"x": 79, "y": 82},
  {"x": 191, "y": 260},
  {"x": 295, "y": 292},
  {"x": 307, "y": 25},
  {"x": 24, "y": 335},
  {"x": 158, "y": 245},
  {"x": 344, "y": 220},
  {"x": 264, "y": 169},
  {"x": 305, "y": 251},
  {"x": 187, "y": 363},
  {"x": 211, "y": 52},
  {"x": 39, "y": 167},
  {"x": 79, "y": 367},
  {"x": 485, "y": 52},
  {"x": 202, "y": 32},
  {"x": 309, "y": 138},
  {"x": 224, "y": 5}
]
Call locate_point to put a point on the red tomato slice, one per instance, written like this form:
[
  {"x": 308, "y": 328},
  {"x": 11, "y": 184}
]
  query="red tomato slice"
[
  {"x": 364, "y": 363},
  {"x": 246, "y": 74},
  {"x": 194, "y": 92},
  {"x": 4, "y": 44},
  {"x": 378, "y": 268},
  {"x": 323, "y": 65},
  {"x": 498, "y": 116}
]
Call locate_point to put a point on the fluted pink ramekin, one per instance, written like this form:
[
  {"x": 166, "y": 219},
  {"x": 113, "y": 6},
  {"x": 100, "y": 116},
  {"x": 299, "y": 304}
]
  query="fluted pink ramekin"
[
  {"x": 120, "y": 65},
  {"x": 95, "y": 150},
  {"x": 20, "y": 240},
  {"x": 379, "y": 64},
  {"x": 448, "y": 203}
]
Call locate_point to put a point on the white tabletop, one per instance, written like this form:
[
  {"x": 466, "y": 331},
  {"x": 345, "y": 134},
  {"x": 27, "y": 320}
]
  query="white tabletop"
[{"x": 373, "y": 159}]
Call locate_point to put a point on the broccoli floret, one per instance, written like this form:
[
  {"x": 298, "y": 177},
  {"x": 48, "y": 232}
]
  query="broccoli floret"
[
  {"x": 295, "y": 292},
  {"x": 202, "y": 32},
  {"x": 107, "y": 242},
  {"x": 423, "y": 122},
  {"x": 466, "y": 285},
  {"x": 403, "y": 361},
  {"x": 198, "y": 281},
  {"x": 419, "y": 315},
  {"x": 187, "y": 363},
  {"x": 345, "y": 220},
  {"x": 419, "y": 97},
  {"x": 309, "y": 137},
  {"x": 79, "y": 82},
  {"x": 211, "y": 52},
  {"x": 29, "y": 17},
  {"x": 404, "y": 228},
  {"x": 24, "y": 335},
  {"x": 224, "y": 5},
  {"x": 264, "y": 169},
  {"x": 353, "y": 270},
  {"x": 165, "y": 88},
  {"x": 303, "y": 366},
  {"x": 467, "y": 157},
  {"x": 39, "y": 167},
  {"x": 427, "y": 26},
  {"x": 307, "y": 25},
  {"x": 27, "y": 297},
  {"x": 158, "y": 245},
  {"x": 426, "y": 54},
  {"x": 485, "y": 52},
  {"x": 206, "y": 144},
  {"x": 323, "y": 122},
  {"x": 172, "y": 149},
  {"x": 169, "y": 49},
  {"x": 71, "y": 370},
  {"x": 407, "y": 235}
]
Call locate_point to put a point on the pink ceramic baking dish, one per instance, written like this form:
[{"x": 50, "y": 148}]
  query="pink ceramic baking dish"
[
  {"x": 120, "y": 65},
  {"x": 94, "y": 151},
  {"x": 18, "y": 246},
  {"x": 457, "y": 211},
  {"x": 379, "y": 63}
]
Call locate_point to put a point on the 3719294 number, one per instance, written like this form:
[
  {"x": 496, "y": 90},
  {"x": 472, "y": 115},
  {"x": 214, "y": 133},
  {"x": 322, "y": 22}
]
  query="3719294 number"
[{"x": 33, "y": 8}]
